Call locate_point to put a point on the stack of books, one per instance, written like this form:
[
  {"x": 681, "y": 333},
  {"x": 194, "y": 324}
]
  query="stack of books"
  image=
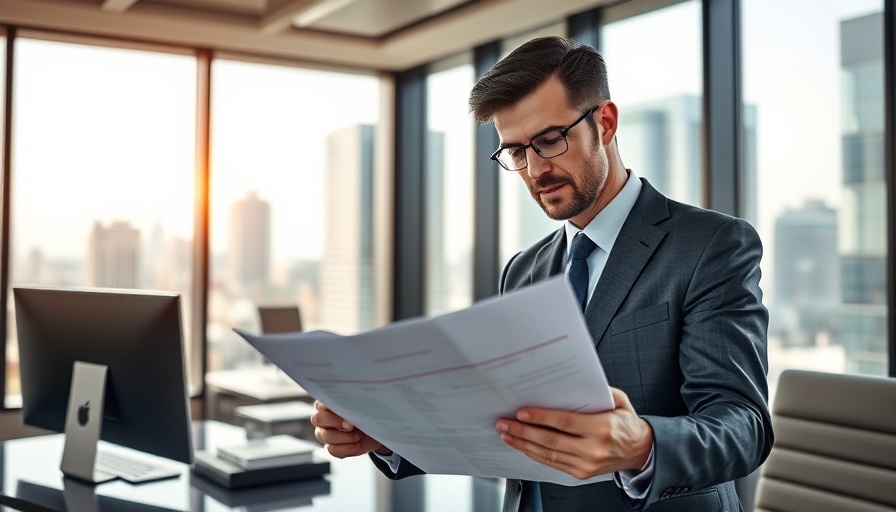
[{"x": 271, "y": 460}]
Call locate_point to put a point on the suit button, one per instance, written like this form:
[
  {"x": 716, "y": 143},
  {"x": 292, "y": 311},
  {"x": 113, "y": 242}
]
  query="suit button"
[{"x": 519, "y": 487}]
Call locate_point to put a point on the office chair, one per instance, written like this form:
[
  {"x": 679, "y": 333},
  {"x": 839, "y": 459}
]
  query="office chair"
[
  {"x": 276, "y": 319},
  {"x": 835, "y": 445}
]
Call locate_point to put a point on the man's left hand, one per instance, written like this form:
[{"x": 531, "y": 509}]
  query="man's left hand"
[{"x": 583, "y": 445}]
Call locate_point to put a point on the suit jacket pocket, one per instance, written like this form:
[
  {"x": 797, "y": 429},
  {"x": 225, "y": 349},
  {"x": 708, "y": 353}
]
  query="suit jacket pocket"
[
  {"x": 640, "y": 318},
  {"x": 702, "y": 501}
]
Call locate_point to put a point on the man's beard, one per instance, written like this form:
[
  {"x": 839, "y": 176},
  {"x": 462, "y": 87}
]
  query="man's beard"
[{"x": 582, "y": 197}]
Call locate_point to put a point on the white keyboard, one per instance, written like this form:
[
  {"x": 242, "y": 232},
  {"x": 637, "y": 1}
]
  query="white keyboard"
[{"x": 132, "y": 469}]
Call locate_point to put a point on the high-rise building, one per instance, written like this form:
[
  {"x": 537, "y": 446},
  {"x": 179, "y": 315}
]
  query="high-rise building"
[
  {"x": 807, "y": 274},
  {"x": 863, "y": 239},
  {"x": 152, "y": 257},
  {"x": 660, "y": 141},
  {"x": 249, "y": 246},
  {"x": 113, "y": 256},
  {"x": 346, "y": 303}
]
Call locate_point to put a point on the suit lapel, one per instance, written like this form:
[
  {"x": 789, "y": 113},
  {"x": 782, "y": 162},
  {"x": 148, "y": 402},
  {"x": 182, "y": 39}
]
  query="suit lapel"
[
  {"x": 633, "y": 248},
  {"x": 549, "y": 260}
]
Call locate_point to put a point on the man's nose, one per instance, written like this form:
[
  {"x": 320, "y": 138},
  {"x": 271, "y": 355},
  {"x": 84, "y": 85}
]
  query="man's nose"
[{"x": 537, "y": 164}]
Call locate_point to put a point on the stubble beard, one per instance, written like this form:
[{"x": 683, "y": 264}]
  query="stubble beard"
[{"x": 583, "y": 195}]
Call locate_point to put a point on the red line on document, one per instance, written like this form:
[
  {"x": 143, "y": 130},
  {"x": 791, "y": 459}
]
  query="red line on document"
[
  {"x": 402, "y": 356},
  {"x": 442, "y": 370}
]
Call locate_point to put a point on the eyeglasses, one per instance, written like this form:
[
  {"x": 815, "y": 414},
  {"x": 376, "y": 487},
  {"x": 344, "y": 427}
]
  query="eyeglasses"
[{"x": 549, "y": 144}]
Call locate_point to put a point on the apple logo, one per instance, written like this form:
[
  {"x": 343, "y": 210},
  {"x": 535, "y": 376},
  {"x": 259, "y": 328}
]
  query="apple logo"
[{"x": 84, "y": 413}]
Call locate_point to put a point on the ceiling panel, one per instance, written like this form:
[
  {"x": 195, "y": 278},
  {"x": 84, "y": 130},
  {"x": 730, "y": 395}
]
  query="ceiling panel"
[
  {"x": 376, "y": 18},
  {"x": 251, "y": 7}
]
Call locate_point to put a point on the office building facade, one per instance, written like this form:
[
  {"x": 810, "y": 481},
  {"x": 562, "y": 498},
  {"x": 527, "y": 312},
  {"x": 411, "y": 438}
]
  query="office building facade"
[
  {"x": 863, "y": 242},
  {"x": 113, "y": 256},
  {"x": 346, "y": 291},
  {"x": 249, "y": 249},
  {"x": 807, "y": 275},
  {"x": 660, "y": 141}
]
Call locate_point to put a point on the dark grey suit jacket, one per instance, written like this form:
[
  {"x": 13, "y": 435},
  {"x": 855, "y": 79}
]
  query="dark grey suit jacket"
[{"x": 678, "y": 322}]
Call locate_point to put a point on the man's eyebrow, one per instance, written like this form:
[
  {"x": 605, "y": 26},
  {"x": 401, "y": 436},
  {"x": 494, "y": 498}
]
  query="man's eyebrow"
[{"x": 539, "y": 134}]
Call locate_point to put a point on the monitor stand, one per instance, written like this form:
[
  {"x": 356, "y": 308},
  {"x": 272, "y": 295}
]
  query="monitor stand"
[
  {"x": 84, "y": 422},
  {"x": 80, "y": 496}
]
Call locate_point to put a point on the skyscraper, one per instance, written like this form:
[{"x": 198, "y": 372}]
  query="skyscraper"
[
  {"x": 660, "y": 141},
  {"x": 346, "y": 304},
  {"x": 113, "y": 256},
  {"x": 249, "y": 249},
  {"x": 807, "y": 274},
  {"x": 863, "y": 242}
]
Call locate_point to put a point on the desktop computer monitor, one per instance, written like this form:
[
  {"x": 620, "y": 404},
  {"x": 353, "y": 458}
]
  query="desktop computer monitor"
[{"x": 105, "y": 364}]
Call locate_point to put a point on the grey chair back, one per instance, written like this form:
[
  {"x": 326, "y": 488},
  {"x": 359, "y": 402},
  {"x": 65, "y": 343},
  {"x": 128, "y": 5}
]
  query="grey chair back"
[
  {"x": 276, "y": 319},
  {"x": 835, "y": 445}
]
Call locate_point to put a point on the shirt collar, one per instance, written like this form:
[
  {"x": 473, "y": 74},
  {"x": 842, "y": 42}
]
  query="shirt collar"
[{"x": 607, "y": 224}]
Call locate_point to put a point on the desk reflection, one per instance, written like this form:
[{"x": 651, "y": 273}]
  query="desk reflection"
[{"x": 30, "y": 472}]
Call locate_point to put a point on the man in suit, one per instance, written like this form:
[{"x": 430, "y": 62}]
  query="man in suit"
[{"x": 670, "y": 295}]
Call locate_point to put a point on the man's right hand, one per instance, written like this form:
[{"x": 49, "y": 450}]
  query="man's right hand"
[{"x": 341, "y": 438}]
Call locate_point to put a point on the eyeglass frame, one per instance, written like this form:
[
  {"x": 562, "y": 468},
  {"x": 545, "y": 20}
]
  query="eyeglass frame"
[{"x": 563, "y": 133}]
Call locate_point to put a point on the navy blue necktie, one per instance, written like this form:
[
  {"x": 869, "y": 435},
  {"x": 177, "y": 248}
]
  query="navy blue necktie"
[{"x": 582, "y": 246}]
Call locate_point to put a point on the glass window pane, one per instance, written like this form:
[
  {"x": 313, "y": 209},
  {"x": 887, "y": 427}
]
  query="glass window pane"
[
  {"x": 291, "y": 201},
  {"x": 813, "y": 77},
  {"x": 449, "y": 186},
  {"x": 103, "y": 170},
  {"x": 657, "y": 86},
  {"x": 448, "y": 207}
]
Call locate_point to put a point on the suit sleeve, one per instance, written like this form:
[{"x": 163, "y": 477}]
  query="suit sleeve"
[
  {"x": 727, "y": 432},
  {"x": 405, "y": 468}
]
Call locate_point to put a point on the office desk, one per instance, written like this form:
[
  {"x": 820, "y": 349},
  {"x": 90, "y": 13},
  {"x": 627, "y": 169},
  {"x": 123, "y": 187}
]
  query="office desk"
[{"x": 30, "y": 471}]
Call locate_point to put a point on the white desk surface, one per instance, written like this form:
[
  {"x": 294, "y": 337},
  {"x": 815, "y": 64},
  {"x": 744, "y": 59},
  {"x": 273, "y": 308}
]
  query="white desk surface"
[{"x": 30, "y": 467}]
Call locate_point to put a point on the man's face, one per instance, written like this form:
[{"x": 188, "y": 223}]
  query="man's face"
[{"x": 566, "y": 186}]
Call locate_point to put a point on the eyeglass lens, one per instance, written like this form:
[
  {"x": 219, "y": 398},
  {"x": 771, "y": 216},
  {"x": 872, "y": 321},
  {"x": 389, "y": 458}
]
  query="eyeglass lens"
[{"x": 547, "y": 145}]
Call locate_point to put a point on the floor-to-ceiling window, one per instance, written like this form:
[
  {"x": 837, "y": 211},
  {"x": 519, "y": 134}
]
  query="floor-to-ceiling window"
[
  {"x": 291, "y": 210},
  {"x": 102, "y": 172},
  {"x": 448, "y": 182},
  {"x": 814, "y": 94},
  {"x": 654, "y": 70}
]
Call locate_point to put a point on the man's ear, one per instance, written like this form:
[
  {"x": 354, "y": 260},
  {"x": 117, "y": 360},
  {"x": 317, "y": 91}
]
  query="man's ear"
[{"x": 608, "y": 118}]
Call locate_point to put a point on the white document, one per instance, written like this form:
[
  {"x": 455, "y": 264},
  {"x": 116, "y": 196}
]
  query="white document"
[{"x": 431, "y": 389}]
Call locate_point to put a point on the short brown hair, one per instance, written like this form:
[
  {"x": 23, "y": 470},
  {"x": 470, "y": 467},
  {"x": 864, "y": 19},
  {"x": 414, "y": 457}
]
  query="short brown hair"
[{"x": 578, "y": 66}]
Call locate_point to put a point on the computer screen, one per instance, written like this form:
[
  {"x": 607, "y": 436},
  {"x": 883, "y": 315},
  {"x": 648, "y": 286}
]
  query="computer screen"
[{"x": 136, "y": 335}]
